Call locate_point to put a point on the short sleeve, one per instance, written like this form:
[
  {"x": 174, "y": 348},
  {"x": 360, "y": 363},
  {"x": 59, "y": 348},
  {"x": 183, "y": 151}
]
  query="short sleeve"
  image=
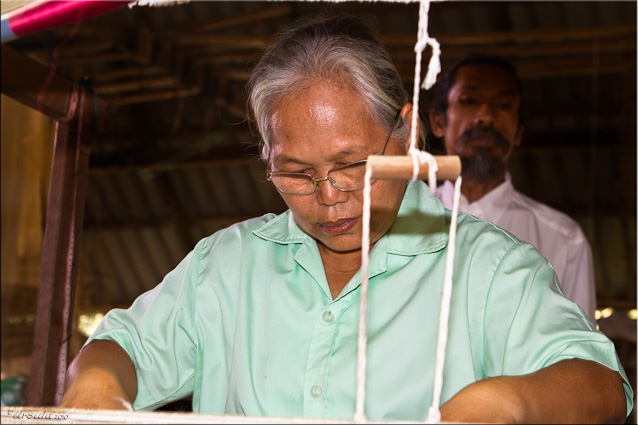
[
  {"x": 544, "y": 327},
  {"x": 157, "y": 332},
  {"x": 578, "y": 283}
]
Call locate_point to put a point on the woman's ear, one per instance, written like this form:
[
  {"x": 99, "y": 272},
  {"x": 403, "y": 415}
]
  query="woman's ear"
[{"x": 406, "y": 114}]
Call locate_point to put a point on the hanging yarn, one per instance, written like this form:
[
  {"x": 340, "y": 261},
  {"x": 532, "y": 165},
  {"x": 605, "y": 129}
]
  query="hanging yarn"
[
  {"x": 434, "y": 414},
  {"x": 434, "y": 67},
  {"x": 418, "y": 157},
  {"x": 362, "y": 340}
]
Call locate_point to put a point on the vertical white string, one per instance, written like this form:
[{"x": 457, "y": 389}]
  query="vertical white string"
[
  {"x": 434, "y": 67},
  {"x": 359, "y": 415},
  {"x": 434, "y": 414},
  {"x": 418, "y": 157}
]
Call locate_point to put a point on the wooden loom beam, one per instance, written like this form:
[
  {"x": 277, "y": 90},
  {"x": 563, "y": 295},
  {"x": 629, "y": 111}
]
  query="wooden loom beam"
[
  {"x": 74, "y": 108},
  {"x": 22, "y": 78},
  {"x": 402, "y": 167},
  {"x": 60, "y": 248}
]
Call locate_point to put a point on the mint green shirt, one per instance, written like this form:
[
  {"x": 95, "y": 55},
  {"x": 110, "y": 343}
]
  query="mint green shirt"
[{"x": 247, "y": 324}]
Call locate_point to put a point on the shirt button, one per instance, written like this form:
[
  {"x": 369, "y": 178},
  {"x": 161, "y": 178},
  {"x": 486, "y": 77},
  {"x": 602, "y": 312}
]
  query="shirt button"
[
  {"x": 328, "y": 317},
  {"x": 315, "y": 391}
]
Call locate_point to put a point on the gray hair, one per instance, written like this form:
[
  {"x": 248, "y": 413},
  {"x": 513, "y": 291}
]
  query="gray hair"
[{"x": 336, "y": 49}]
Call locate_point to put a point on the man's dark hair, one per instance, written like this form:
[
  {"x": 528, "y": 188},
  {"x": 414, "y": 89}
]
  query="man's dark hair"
[{"x": 440, "y": 102}]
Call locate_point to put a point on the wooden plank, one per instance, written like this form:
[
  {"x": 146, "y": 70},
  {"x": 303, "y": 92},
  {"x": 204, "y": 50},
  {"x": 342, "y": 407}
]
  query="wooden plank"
[
  {"x": 24, "y": 79},
  {"x": 156, "y": 96},
  {"x": 63, "y": 225},
  {"x": 36, "y": 86},
  {"x": 505, "y": 37},
  {"x": 239, "y": 41},
  {"x": 29, "y": 415},
  {"x": 96, "y": 59},
  {"x": 533, "y": 50},
  {"x": 128, "y": 72},
  {"x": 244, "y": 19},
  {"x": 137, "y": 85}
]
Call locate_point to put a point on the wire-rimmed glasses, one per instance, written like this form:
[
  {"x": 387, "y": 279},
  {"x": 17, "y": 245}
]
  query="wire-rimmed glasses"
[{"x": 346, "y": 178}]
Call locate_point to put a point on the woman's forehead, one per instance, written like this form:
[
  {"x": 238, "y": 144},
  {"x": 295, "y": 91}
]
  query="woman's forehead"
[
  {"x": 285, "y": 152},
  {"x": 322, "y": 102},
  {"x": 325, "y": 116}
]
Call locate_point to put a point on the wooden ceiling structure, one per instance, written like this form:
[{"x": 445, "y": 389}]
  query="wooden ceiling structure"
[{"x": 173, "y": 159}]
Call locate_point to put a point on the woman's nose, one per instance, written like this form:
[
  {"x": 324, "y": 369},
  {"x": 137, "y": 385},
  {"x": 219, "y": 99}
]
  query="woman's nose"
[{"x": 328, "y": 194}]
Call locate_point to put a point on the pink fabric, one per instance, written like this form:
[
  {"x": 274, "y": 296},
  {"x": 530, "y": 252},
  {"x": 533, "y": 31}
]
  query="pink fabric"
[{"x": 49, "y": 14}]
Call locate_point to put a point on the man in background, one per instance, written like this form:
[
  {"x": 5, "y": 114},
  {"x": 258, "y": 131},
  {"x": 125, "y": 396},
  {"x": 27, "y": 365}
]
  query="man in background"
[{"x": 477, "y": 112}]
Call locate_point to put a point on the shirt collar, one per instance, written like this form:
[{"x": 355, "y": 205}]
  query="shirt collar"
[
  {"x": 494, "y": 203},
  {"x": 420, "y": 226}
]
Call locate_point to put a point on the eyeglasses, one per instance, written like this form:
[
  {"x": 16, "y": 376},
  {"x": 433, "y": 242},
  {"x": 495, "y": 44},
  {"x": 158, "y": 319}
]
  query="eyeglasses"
[{"x": 346, "y": 178}]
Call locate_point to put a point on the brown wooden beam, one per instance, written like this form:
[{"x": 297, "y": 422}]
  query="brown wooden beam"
[
  {"x": 241, "y": 41},
  {"x": 58, "y": 273},
  {"x": 24, "y": 80},
  {"x": 137, "y": 85},
  {"x": 506, "y": 37},
  {"x": 137, "y": 71},
  {"x": 538, "y": 51},
  {"x": 36, "y": 86},
  {"x": 552, "y": 67},
  {"x": 155, "y": 96},
  {"x": 271, "y": 12},
  {"x": 96, "y": 59}
]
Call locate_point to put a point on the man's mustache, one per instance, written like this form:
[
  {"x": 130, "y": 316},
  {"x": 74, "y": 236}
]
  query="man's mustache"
[{"x": 483, "y": 133}]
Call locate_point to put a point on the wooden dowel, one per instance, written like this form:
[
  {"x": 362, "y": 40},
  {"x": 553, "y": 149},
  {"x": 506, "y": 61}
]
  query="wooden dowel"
[{"x": 401, "y": 167}]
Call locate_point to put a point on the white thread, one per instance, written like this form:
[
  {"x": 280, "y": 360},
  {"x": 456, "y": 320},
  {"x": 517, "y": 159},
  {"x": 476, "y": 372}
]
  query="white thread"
[
  {"x": 359, "y": 414},
  {"x": 418, "y": 158},
  {"x": 154, "y": 3},
  {"x": 434, "y": 67},
  {"x": 422, "y": 157},
  {"x": 434, "y": 414}
]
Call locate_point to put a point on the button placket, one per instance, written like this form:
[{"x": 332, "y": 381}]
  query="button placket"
[{"x": 321, "y": 351}]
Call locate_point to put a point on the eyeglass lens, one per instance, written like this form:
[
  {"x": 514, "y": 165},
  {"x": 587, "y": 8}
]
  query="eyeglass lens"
[{"x": 347, "y": 177}]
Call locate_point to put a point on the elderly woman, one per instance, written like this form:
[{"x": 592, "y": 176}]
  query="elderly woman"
[{"x": 261, "y": 318}]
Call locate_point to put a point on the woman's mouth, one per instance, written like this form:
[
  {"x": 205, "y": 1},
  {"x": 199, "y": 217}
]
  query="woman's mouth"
[{"x": 339, "y": 226}]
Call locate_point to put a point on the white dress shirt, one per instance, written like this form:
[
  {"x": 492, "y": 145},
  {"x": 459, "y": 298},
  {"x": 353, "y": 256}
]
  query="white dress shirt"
[{"x": 554, "y": 234}]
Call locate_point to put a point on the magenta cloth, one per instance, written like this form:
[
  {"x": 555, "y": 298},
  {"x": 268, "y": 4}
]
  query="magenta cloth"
[{"x": 49, "y": 14}]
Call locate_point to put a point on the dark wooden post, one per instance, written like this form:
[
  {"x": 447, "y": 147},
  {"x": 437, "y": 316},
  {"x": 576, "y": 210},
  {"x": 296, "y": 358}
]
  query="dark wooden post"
[
  {"x": 56, "y": 290},
  {"x": 74, "y": 109}
]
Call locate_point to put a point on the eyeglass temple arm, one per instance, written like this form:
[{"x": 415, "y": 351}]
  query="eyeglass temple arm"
[{"x": 401, "y": 167}]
